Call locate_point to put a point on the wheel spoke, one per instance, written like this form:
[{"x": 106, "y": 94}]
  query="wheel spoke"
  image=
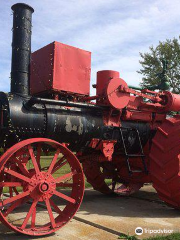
[
  {"x": 56, "y": 208},
  {"x": 38, "y": 157},
  {"x": 22, "y": 167},
  {"x": 53, "y": 161},
  {"x": 15, "y": 190},
  {"x": 31, "y": 152},
  {"x": 33, "y": 218},
  {"x": 58, "y": 165},
  {"x": 12, "y": 199},
  {"x": 51, "y": 217},
  {"x": 10, "y": 192},
  {"x": 33, "y": 206},
  {"x": 18, "y": 175},
  {"x": 13, "y": 206},
  {"x": 65, "y": 197},
  {"x": 61, "y": 178}
]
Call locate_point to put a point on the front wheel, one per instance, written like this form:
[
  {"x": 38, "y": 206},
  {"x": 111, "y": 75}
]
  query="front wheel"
[{"x": 39, "y": 194}]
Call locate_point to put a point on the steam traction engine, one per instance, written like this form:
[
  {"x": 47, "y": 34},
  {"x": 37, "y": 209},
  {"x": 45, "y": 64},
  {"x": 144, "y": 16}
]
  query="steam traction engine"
[{"x": 48, "y": 122}]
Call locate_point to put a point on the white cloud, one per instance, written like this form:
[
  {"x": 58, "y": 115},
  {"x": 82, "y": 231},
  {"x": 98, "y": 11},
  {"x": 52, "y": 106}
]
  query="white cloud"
[{"x": 114, "y": 30}]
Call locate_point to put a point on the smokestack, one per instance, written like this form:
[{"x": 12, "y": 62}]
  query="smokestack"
[{"x": 21, "y": 48}]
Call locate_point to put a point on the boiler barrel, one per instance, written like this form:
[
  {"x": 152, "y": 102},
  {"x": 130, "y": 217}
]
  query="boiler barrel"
[{"x": 76, "y": 126}]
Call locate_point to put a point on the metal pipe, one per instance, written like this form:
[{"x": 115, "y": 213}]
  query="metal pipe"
[
  {"x": 21, "y": 48},
  {"x": 33, "y": 100},
  {"x": 89, "y": 98},
  {"x": 134, "y": 87}
]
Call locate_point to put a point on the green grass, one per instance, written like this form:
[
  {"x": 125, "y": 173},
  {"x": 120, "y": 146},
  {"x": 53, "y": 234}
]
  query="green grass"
[
  {"x": 173, "y": 236},
  {"x": 128, "y": 237}
]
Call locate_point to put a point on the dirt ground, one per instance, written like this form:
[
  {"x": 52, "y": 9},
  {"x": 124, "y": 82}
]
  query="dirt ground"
[{"x": 106, "y": 218}]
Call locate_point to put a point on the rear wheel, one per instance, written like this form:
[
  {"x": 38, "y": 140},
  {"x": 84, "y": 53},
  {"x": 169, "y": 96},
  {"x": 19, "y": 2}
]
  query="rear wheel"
[
  {"x": 39, "y": 194},
  {"x": 165, "y": 161}
]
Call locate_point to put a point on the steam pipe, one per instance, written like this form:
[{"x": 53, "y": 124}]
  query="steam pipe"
[
  {"x": 21, "y": 48},
  {"x": 34, "y": 100}
]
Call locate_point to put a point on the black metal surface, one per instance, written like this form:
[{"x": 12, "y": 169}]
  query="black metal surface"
[
  {"x": 75, "y": 125},
  {"x": 21, "y": 48}
]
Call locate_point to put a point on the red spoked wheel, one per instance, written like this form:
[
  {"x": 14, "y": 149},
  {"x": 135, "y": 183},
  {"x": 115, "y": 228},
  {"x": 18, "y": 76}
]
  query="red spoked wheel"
[
  {"x": 94, "y": 176},
  {"x": 39, "y": 194},
  {"x": 109, "y": 183},
  {"x": 165, "y": 161}
]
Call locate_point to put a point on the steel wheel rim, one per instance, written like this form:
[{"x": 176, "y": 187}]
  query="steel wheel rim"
[{"x": 39, "y": 185}]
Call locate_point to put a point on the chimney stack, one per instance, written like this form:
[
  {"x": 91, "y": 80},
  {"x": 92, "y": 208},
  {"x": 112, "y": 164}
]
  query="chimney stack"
[{"x": 21, "y": 48}]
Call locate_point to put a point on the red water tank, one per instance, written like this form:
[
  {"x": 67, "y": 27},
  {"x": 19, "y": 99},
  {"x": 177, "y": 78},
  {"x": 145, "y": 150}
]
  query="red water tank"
[{"x": 58, "y": 67}]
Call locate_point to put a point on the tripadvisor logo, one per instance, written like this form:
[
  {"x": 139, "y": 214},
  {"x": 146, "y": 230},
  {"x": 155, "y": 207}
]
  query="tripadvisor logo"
[{"x": 139, "y": 231}]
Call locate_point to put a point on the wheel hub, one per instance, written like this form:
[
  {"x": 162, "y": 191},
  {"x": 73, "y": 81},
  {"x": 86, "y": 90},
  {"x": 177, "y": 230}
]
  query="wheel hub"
[{"x": 41, "y": 186}]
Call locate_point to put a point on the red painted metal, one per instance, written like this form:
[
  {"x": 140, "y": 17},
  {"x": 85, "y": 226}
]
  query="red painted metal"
[
  {"x": 165, "y": 161},
  {"x": 94, "y": 175},
  {"x": 117, "y": 99},
  {"x": 89, "y": 98},
  {"x": 129, "y": 189},
  {"x": 114, "y": 92},
  {"x": 92, "y": 166},
  {"x": 112, "y": 118},
  {"x": 107, "y": 148},
  {"x": 142, "y": 116},
  {"x": 94, "y": 142},
  {"x": 39, "y": 184},
  {"x": 103, "y": 79},
  {"x": 58, "y": 67},
  {"x": 172, "y": 101},
  {"x": 125, "y": 89}
]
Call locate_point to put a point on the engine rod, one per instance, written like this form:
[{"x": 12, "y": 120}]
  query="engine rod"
[{"x": 33, "y": 100}]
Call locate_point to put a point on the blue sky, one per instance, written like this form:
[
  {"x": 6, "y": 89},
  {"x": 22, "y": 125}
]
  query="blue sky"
[{"x": 115, "y": 31}]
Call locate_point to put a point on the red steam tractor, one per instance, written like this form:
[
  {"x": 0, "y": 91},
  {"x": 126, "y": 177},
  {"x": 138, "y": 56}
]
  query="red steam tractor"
[{"x": 49, "y": 122}]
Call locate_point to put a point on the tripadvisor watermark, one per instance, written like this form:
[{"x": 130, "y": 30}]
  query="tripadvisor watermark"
[{"x": 140, "y": 231}]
